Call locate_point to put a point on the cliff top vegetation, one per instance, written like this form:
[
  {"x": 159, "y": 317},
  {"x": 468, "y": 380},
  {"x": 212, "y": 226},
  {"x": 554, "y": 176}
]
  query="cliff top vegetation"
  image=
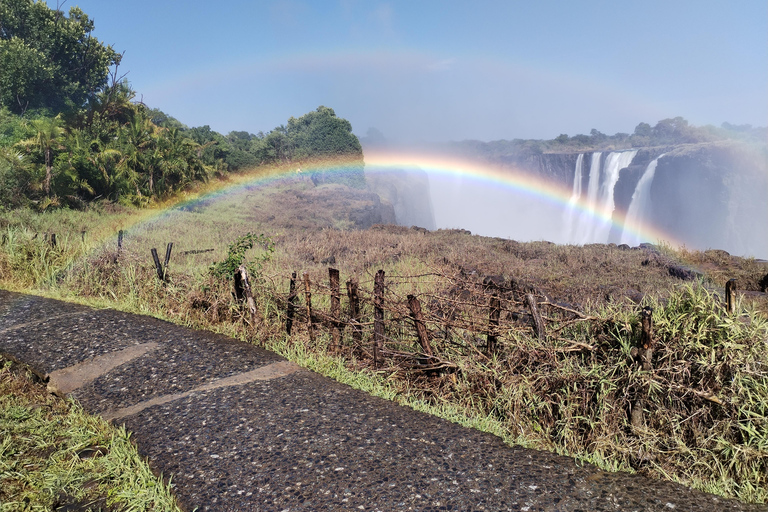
[{"x": 667, "y": 132}]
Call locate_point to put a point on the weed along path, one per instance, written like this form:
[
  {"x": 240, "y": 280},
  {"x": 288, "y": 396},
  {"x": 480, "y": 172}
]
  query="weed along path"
[{"x": 239, "y": 428}]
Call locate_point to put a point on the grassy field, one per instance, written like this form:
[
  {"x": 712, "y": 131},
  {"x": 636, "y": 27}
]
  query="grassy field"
[{"x": 698, "y": 415}]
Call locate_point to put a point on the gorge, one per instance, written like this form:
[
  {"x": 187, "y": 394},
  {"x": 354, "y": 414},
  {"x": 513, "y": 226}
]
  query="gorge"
[{"x": 700, "y": 195}]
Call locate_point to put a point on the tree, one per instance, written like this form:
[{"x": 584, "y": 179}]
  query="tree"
[
  {"x": 643, "y": 130},
  {"x": 48, "y": 60},
  {"x": 15, "y": 178},
  {"x": 320, "y": 135},
  {"x": 48, "y": 132}
]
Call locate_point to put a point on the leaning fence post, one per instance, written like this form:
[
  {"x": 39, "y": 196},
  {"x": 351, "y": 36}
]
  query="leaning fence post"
[
  {"x": 646, "y": 338},
  {"x": 245, "y": 291},
  {"x": 291, "y": 305},
  {"x": 421, "y": 328},
  {"x": 494, "y": 314},
  {"x": 333, "y": 278},
  {"x": 538, "y": 322},
  {"x": 378, "y": 317},
  {"x": 730, "y": 290},
  {"x": 168, "y": 249},
  {"x": 645, "y": 355},
  {"x": 308, "y": 297},
  {"x": 354, "y": 309},
  {"x": 158, "y": 266}
]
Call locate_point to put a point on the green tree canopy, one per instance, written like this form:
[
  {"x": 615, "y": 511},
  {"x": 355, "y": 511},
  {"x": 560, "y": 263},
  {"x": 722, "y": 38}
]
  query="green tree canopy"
[
  {"x": 49, "y": 61},
  {"x": 320, "y": 134}
]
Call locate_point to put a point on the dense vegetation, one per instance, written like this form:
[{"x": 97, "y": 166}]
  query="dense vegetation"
[
  {"x": 71, "y": 132},
  {"x": 667, "y": 132}
]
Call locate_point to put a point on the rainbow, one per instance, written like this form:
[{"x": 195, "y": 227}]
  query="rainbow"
[
  {"x": 514, "y": 180},
  {"x": 439, "y": 165}
]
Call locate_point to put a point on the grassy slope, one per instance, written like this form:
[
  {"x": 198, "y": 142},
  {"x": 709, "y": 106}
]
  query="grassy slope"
[{"x": 553, "y": 394}]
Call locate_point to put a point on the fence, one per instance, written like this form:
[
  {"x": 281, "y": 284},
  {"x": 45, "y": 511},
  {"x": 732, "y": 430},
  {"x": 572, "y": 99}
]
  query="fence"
[{"x": 378, "y": 322}]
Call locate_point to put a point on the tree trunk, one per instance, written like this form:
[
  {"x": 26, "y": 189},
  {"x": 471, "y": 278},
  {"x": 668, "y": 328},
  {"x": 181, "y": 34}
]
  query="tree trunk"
[{"x": 48, "y": 172}]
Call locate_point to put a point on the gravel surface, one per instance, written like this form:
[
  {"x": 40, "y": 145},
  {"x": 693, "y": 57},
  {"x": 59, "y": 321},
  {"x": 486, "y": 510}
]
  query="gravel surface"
[{"x": 290, "y": 440}]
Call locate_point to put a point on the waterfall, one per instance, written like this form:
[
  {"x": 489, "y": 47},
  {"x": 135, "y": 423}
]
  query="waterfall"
[
  {"x": 639, "y": 206},
  {"x": 594, "y": 222},
  {"x": 575, "y": 196},
  {"x": 583, "y": 228},
  {"x": 613, "y": 164}
]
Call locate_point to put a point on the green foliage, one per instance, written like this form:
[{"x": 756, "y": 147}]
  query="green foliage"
[
  {"x": 88, "y": 140},
  {"x": 39, "y": 465},
  {"x": 320, "y": 134},
  {"x": 49, "y": 60},
  {"x": 236, "y": 255}
]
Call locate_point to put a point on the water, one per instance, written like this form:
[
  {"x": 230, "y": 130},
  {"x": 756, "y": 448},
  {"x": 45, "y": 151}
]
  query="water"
[
  {"x": 594, "y": 222},
  {"x": 576, "y": 195},
  {"x": 640, "y": 205}
]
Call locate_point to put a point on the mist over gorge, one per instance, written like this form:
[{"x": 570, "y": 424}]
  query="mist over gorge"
[{"x": 710, "y": 194}]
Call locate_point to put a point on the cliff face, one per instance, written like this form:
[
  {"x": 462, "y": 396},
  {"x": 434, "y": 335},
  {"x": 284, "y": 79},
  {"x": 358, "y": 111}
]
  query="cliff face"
[
  {"x": 714, "y": 196},
  {"x": 558, "y": 167},
  {"x": 407, "y": 190}
]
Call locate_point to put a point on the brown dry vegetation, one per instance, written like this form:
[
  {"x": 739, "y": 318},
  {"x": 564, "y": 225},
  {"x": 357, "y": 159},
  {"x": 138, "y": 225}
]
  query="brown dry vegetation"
[{"x": 704, "y": 417}]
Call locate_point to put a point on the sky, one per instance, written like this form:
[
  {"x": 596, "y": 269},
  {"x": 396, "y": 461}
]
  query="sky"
[{"x": 428, "y": 70}]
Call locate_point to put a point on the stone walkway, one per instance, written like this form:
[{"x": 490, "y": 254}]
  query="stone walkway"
[{"x": 240, "y": 428}]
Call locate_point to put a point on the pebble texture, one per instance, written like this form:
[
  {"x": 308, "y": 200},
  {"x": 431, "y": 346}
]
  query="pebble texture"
[{"x": 292, "y": 440}]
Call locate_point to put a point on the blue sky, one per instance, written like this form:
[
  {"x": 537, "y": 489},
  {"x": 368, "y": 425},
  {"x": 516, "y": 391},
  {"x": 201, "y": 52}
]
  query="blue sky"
[{"x": 444, "y": 70}]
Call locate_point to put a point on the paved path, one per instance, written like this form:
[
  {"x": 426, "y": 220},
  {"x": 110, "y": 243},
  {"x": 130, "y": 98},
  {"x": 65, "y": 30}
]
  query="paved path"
[{"x": 240, "y": 428}]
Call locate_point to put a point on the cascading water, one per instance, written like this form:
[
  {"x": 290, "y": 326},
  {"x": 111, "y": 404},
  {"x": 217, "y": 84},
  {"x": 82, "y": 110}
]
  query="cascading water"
[
  {"x": 594, "y": 224},
  {"x": 613, "y": 164},
  {"x": 639, "y": 206},
  {"x": 582, "y": 230},
  {"x": 575, "y": 196}
]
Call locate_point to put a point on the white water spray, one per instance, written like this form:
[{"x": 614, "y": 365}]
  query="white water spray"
[
  {"x": 575, "y": 196},
  {"x": 594, "y": 223},
  {"x": 613, "y": 164},
  {"x": 639, "y": 206},
  {"x": 583, "y": 228}
]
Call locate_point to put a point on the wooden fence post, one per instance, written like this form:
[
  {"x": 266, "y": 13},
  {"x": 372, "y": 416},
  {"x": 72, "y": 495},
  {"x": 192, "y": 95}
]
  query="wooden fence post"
[
  {"x": 730, "y": 291},
  {"x": 378, "y": 317},
  {"x": 644, "y": 355},
  {"x": 333, "y": 278},
  {"x": 538, "y": 322},
  {"x": 354, "y": 310},
  {"x": 243, "y": 289},
  {"x": 158, "y": 266},
  {"x": 308, "y": 297},
  {"x": 168, "y": 249},
  {"x": 291, "y": 304},
  {"x": 421, "y": 327},
  {"x": 646, "y": 338},
  {"x": 494, "y": 313}
]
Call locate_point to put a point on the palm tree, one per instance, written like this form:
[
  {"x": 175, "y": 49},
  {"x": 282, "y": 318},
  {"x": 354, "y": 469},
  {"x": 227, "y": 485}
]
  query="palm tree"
[{"x": 48, "y": 134}]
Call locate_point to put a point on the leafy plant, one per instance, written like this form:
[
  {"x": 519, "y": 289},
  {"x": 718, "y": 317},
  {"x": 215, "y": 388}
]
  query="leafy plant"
[{"x": 236, "y": 255}]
